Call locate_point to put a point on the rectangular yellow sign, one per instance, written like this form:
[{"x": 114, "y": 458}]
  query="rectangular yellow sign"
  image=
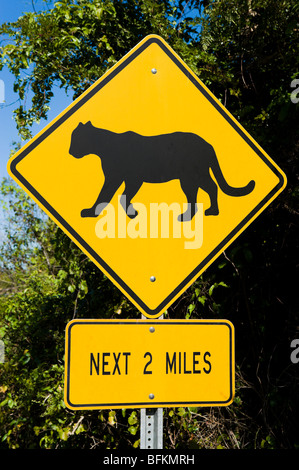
[{"x": 148, "y": 364}]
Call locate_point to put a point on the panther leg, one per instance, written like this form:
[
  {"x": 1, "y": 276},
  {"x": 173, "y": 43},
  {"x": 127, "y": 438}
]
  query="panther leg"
[
  {"x": 107, "y": 192},
  {"x": 191, "y": 195},
  {"x": 130, "y": 191},
  {"x": 212, "y": 189}
]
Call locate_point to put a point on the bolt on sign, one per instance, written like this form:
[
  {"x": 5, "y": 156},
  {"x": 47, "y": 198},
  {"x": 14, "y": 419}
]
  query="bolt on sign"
[
  {"x": 148, "y": 363},
  {"x": 149, "y": 174}
]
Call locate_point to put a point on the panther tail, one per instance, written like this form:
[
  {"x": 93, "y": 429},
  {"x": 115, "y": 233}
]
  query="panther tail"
[{"x": 224, "y": 186}]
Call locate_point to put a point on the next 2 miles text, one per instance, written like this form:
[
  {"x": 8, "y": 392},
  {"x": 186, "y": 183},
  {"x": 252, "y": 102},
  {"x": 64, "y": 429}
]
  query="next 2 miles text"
[{"x": 118, "y": 363}]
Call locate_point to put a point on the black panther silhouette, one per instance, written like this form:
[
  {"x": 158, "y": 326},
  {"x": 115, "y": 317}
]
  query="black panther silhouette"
[{"x": 136, "y": 159}]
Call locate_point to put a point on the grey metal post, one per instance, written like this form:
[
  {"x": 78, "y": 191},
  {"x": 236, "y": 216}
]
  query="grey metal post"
[
  {"x": 151, "y": 425},
  {"x": 151, "y": 428}
]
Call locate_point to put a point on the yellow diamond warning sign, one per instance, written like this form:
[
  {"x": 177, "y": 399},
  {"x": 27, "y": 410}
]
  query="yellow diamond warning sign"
[{"x": 149, "y": 174}]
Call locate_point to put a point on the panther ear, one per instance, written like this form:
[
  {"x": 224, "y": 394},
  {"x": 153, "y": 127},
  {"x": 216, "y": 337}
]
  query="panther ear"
[{"x": 83, "y": 125}]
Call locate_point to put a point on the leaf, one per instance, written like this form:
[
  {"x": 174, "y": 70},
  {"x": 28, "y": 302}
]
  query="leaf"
[
  {"x": 80, "y": 428},
  {"x": 133, "y": 430},
  {"x": 111, "y": 418},
  {"x": 181, "y": 412},
  {"x": 133, "y": 418},
  {"x": 223, "y": 284},
  {"x": 64, "y": 433},
  {"x": 211, "y": 289},
  {"x": 191, "y": 307},
  {"x": 202, "y": 299},
  {"x": 83, "y": 286}
]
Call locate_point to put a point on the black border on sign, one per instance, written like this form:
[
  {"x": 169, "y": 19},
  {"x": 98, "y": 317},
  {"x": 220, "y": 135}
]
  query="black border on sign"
[
  {"x": 148, "y": 403},
  {"x": 95, "y": 256}
]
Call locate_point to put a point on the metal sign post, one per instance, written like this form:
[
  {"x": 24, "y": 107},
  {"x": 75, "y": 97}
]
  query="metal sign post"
[
  {"x": 151, "y": 428},
  {"x": 151, "y": 424}
]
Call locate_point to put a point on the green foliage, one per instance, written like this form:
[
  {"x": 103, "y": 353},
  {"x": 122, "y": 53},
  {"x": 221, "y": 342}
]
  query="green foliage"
[
  {"x": 246, "y": 53},
  {"x": 73, "y": 44},
  {"x": 253, "y": 44}
]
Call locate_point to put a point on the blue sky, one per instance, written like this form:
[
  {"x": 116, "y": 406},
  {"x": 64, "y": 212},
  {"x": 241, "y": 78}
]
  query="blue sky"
[{"x": 11, "y": 10}]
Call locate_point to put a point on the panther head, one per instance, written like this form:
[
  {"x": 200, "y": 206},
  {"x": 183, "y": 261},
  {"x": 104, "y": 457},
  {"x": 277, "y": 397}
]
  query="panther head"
[{"x": 80, "y": 140}]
